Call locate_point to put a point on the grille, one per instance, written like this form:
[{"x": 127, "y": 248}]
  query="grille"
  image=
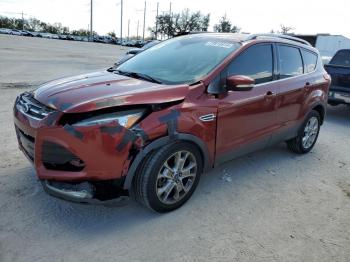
[
  {"x": 31, "y": 107},
  {"x": 26, "y": 142}
]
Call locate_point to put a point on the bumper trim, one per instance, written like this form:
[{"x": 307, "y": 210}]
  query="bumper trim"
[
  {"x": 339, "y": 98},
  {"x": 79, "y": 196}
]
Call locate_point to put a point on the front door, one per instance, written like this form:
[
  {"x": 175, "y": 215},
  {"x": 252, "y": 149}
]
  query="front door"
[{"x": 246, "y": 119}]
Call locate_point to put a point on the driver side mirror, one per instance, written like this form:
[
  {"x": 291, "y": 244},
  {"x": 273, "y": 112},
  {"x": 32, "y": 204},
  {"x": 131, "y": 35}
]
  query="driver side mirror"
[{"x": 240, "y": 83}]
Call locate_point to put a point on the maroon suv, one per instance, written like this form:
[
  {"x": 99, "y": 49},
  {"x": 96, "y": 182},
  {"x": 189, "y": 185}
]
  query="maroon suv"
[{"x": 150, "y": 127}]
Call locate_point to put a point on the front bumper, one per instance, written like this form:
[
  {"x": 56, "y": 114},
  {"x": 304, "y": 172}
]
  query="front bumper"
[
  {"x": 83, "y": 193},
  {"x": 98, "y": 153}
]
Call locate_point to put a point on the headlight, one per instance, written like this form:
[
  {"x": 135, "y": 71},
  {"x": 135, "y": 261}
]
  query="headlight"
[{"x": 125, "y": 118}]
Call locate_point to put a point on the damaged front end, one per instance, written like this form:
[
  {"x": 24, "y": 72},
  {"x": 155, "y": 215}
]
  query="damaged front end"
[
  {"x": 102, "y": 192},
  {"x": 85, "y": 157}
]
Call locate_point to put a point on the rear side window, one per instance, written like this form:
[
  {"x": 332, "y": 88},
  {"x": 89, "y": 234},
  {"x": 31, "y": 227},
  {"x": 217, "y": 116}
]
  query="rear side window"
[
  {"x": 310, "y": 61},
  {"x": 290, "y": 61},
  {"x": 255, "y": 62},
  {"x": 342, "y": 58}
]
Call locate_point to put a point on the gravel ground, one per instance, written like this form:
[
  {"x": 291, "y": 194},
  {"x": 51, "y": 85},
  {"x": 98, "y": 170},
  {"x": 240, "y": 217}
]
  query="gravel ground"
[{"x": 268, "y": 206}]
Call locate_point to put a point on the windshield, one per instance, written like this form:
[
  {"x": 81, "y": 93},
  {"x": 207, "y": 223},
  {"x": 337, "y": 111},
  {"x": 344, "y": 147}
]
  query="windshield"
[
  {"x": 341, "y": 58},
  {"x": 182, "y": 59}
]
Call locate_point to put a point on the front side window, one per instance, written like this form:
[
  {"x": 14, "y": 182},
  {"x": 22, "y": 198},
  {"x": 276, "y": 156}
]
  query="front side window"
[
  {"x": 255, "y": 62},
  {"x": 180, "y": 60},
  {"x": 310, "y": 61},
  {"x": 290, "y": 61}
]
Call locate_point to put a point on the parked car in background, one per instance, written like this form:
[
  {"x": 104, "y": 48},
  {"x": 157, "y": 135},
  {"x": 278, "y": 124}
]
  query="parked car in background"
[
  {"x": 47, "y": 35},
  {"x": 139, "y": 43},
  {"x": 339, "y": 69},
  {"x": 132, "y": 52},
  {"x": 5, "y": 31},
  {"x": 63, "y": 37},
  {"x": 36, "y": 34},
  {"x": 150, "y": 127},
  {"x": 15, "y": 32},
  {"x": 124, "y": 42},
  {"x": 26, "y": 33}
]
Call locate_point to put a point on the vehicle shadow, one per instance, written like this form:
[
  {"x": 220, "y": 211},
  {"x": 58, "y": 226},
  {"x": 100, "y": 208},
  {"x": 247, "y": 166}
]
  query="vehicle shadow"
[
  {"x": 338, "y": 115},
  {"x": 93, "y": 220}
]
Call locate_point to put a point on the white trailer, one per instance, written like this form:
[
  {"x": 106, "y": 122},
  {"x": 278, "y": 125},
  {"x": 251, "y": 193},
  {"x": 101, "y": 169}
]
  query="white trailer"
[{"x": 327, "y": 44}]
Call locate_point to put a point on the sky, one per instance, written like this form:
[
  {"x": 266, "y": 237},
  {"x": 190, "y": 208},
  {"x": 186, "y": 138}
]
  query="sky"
[{"x": 259, "y": 16}]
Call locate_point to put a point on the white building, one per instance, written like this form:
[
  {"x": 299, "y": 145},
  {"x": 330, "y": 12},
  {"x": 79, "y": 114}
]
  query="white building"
[{"x": 327, "y": 44}]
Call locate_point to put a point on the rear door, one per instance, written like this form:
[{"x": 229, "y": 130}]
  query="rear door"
[
  {"x": 246, "y": 119},
  {"x": 293, "y": 84}
]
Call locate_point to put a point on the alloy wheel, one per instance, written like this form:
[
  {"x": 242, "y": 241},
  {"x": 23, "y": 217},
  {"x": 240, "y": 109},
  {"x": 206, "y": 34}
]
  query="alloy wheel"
[
  {"x": 176, "y": 177},
  {"x": 310, "y": 132}
]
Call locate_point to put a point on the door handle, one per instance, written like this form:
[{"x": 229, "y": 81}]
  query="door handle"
[
  {"x": 307, "y": 86},
  {"x": 270, "y": 94}
]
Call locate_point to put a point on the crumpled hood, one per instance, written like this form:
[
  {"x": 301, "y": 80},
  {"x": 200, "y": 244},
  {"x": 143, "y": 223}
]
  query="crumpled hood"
[{"x": 104, "y": 89}]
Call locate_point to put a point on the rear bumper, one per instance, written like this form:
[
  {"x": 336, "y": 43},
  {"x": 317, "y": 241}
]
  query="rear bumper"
[{"x": 337, "y": 97}]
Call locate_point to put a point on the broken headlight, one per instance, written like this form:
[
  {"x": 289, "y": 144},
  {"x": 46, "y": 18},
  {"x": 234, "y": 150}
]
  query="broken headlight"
[{"x": 125, "y": 118}]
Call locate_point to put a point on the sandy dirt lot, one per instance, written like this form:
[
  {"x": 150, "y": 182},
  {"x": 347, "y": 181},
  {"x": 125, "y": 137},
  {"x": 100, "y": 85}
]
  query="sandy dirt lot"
[{"x": 268, "y": 206}]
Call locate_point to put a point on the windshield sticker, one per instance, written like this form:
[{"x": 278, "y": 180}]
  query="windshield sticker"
[{"x": 219, "y": 44}]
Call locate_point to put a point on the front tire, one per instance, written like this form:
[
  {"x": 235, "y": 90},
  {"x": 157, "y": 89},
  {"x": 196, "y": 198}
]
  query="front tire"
[
  {"x": 168, "y": 176},
  {"x": 307, "y": 135}
]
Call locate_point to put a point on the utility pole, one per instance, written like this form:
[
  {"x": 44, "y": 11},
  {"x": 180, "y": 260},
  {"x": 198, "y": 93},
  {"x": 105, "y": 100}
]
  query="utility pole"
[
  {"x": 22, "y": 21},
  {"x": 121, "y": 20},
  {"x": 91, "y": 30},
  {"x": 156, "y": 34},
  {"x": 128, "y": 29},
  {"x": 171, "y": 19},
  {"x": 144, "y": 22},
  {"x": 138, "y": 23}
]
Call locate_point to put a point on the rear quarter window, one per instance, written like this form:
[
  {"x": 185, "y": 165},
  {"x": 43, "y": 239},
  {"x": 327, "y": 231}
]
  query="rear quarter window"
[
  {"x": 290, "y": 62},
  {"x": 310, "y": 61}
]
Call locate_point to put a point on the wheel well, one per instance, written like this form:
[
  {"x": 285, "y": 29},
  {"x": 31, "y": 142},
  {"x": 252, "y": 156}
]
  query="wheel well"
[
  {"x": 320, "y": 109},
  {"x": 199, "y": 149},
  {"x": 200, "y": 145}
]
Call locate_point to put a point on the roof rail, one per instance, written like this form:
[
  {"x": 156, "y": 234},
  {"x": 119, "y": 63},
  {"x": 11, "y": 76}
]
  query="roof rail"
[{"x": 287, "y": 37}]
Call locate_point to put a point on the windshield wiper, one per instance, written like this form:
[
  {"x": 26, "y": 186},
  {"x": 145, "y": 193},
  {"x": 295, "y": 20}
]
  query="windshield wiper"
[{"x": 139, "y": 76}]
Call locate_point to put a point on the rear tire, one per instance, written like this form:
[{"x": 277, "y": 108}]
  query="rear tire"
[
  {"x": 307, "y": 135},
  {"x": 168, "y": 176}
]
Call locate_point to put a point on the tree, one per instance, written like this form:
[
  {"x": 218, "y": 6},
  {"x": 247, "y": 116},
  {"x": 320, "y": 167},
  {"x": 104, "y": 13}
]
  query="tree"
[
  {"x": 225, "y": 25},
  {"x": 187, "y": 22},
  {"x": 285, "y": 29},
  {"x": 33, "y": 24},
  {"x": 112, "y": 34},
  {"x": 180, "y": 23}
]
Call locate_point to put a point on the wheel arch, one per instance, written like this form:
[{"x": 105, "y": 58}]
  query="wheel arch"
[
  {"x": 320, "y": 108},
  {"x": 161, "y": 142}
]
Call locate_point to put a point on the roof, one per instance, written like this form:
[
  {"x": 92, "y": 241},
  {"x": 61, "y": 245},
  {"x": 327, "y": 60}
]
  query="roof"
[{"x": 250, "y": 37}]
